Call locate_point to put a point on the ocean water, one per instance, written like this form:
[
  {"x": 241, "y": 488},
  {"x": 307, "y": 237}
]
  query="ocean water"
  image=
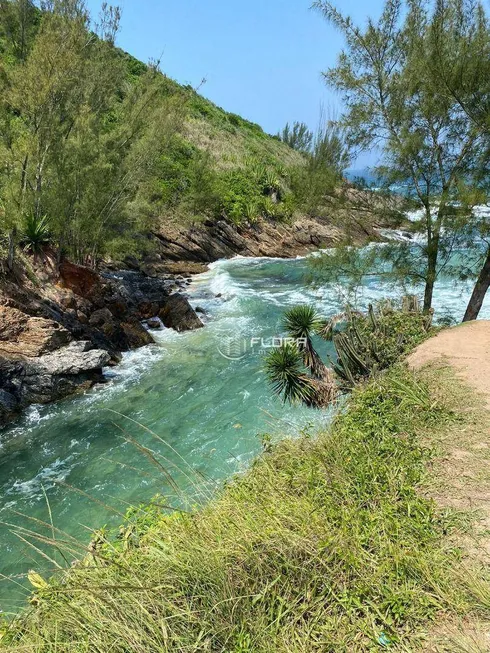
[{"x": 192, "y": 406}]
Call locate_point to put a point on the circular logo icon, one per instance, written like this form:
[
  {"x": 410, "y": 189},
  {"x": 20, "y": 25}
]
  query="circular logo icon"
[{"x": 234, "y": 348}]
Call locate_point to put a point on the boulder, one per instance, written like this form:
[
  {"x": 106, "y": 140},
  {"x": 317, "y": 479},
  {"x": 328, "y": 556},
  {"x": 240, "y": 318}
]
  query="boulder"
[
  {"x": 25, "y": 335},
  {"x": 124, "y": 335},
  {"x": 74, "y": 358},
  {"x": 74, "y": 367},
  {"x": 178, "y": 314},
  {"x": 135, "y": 334}
]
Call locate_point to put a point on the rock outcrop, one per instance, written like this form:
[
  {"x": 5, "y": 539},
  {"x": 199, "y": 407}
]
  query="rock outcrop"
[
  {"x": 28, "y": 380},
  {"x": 213, "y": 239},
  {"x": 55, "y": 340},
  {"x": 23, "y": 334}
]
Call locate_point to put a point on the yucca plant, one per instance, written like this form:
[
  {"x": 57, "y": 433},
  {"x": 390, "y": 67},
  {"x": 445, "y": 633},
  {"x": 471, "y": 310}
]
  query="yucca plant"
[
  {"x": 35, "y": 233},
  {"x": 258, "y": 171},
  {"x": 289, "y": 380},
  {"x": 269, "y": 209},
  {"x": 251, "y": 212},
  {"x": 301, "y": 323}
]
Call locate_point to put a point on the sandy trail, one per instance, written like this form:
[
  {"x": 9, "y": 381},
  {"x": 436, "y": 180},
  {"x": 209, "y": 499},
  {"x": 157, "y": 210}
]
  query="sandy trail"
[
  {"x": 466, "y": 348},
  {"x": 462, "y": 474}
]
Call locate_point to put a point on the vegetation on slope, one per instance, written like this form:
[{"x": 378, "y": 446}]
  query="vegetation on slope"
[
  {"x": 326, "y": 544},
  {"x": 363, "y": 344},
  {"x": 97, "y": 147}
]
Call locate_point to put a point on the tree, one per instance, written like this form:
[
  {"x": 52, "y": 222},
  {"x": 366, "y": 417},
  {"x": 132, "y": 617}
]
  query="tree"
[
  {"x": 19, "y": 19},
  {"x": 299, "y": 137},
  {"x": 396, "y": 101},
  {"x": 78, "y": 139},
  {"x": 460, "y": 38}
]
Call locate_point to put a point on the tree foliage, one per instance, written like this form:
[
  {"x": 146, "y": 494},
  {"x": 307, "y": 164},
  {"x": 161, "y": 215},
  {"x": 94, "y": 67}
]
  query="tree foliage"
[
  {"x": 77, "y": 138},
  {"x": 396, "y": 99},
  {"x": 298, "y": 136}
]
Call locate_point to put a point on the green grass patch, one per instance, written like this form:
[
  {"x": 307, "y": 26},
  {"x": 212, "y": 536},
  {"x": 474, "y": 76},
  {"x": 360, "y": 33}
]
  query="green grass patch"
[{"x": 325, "y": 544}]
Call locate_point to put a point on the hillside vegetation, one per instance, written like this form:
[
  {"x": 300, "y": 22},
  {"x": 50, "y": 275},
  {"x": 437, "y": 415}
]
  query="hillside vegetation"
[{"x": 97, "y": 147}]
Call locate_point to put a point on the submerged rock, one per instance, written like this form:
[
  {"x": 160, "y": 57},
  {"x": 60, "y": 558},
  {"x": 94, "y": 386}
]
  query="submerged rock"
[{"x": 154, "y": 323}]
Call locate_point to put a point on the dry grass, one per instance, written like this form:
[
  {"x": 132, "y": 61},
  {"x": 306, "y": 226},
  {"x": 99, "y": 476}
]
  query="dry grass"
[{"x": 231, "y": 148}]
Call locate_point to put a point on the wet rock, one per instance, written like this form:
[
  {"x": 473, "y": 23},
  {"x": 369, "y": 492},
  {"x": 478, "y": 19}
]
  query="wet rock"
[
  {"x": 42, "y": 379},
  {"x": 178, "y": 314},
  {"x": 135, "y": 334},
  {"x": 154, "y": 323},
  {"x": 199, "y": 309},
  {"x": 9, "y": 406}
]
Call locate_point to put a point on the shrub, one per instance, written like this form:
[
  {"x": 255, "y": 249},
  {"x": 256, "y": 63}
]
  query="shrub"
[
  {"x": 35, "y": 234},
  {"x": 374, "y": 342}
]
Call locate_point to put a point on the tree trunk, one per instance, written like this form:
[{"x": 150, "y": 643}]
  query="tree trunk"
[
  {"x": 11, "y": 250},
  {"x": 431, "y": 276},
  {"x": 479, "y": 291}
]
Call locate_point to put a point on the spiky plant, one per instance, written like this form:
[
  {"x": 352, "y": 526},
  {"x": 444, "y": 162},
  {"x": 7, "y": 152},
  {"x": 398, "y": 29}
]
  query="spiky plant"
[
  {"x": 251, "y": 211},
  {"x": 287, "y": 376},
  {"x": 326, "y": 328},
  {"x": 271, "y": 182},
  {"x": 269, "y": 208},
  {"x": 301, "y": 322},
  {"x": 258, "y": 171},
  {"x": 35, "y": 234}
]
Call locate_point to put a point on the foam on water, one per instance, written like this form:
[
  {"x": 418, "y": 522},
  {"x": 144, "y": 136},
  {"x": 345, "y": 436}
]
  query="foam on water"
[{"x": 203, "y": 407}]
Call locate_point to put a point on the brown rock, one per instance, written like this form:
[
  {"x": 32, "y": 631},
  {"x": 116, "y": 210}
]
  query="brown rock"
[
  {"x": 25, "y": 335},
  {"x": 79, "y": 279}
]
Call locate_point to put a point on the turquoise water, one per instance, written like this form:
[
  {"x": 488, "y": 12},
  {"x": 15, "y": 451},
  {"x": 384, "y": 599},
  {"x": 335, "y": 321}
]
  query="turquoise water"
[{"x": 204, "y": 408}]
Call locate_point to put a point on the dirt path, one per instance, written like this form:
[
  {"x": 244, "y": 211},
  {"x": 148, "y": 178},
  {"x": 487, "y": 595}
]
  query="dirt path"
[
  {"x": 466, "y": 348},
  {"x": 461, "y": 474}
]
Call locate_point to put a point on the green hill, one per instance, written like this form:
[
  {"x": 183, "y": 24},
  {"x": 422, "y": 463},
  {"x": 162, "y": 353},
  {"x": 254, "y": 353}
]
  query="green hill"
[{"x": 98, "y": 148}]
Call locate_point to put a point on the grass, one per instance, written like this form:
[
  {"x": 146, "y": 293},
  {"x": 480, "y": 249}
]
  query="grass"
[{"x": 326, "y": 544}]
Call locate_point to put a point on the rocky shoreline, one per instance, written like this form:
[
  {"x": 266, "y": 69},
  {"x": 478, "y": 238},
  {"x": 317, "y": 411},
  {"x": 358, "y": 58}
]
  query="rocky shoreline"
[
  {"x": 58, "y": 335},
  {"x": 60, "y": 325}
]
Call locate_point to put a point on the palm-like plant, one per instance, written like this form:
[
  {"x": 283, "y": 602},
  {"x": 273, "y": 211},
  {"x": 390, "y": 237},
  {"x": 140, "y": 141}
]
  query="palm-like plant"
[
  {"x": 301, "y": 322},
  {"x": 284, "y": 369},
  {"x": 35, "y": 233},
  {"x": 289, "y": 380}
]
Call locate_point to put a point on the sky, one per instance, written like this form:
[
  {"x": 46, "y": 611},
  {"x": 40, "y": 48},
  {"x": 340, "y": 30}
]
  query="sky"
[{"x": 261, "y": 59}]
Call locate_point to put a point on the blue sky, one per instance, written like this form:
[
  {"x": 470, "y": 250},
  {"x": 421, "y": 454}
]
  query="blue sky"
[{"x": 261, "y": 59}]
